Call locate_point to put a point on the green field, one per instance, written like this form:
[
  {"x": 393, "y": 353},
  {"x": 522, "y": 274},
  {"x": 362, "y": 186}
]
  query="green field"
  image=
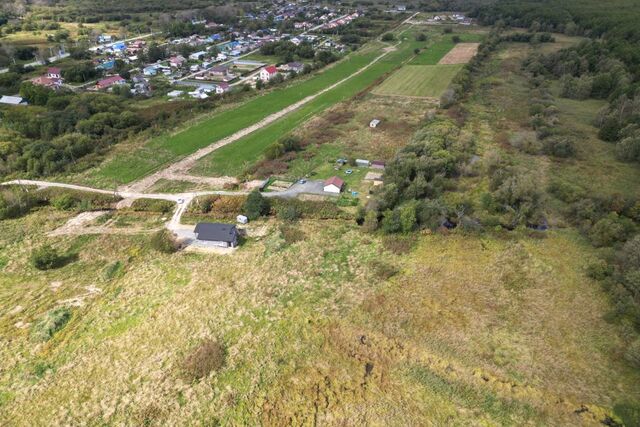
[
  {"x": 419, "y": 80},
  {"x": 434, "y": 53},
  {"x": 166, "y": 148}
]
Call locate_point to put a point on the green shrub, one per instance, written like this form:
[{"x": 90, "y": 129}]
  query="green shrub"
[
  {"x": 632, "y": 355},
  {"x": 289, "y": 213},
  {"x": 256, "y": 205},
  {"x": 66, "y": 199},
  {"x": 291, "y": 234},
  {"x": 388, "y": 37},
  {"x": 610, "y": 230},
  {"x": 163, "y": 241},
  {"x": 51, "y": 323},
  {"x": 208, "y": 356},
  {"x": 48, "y": 258},
  {"x": 152, "y": 205},
  {"x": 15, "y": 202},
  {"x": 63, "y": 202}
]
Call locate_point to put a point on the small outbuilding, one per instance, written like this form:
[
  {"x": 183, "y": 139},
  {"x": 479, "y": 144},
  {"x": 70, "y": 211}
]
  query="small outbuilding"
[
  {"x": 363, "y": 163},
  {"x": 333, "y": 185},
  {"x": 218, "y": 234},
  {"x": 374, "y": 123},
  {"x": 377, "y": 164},
  {"x": 241, "y": 219}
]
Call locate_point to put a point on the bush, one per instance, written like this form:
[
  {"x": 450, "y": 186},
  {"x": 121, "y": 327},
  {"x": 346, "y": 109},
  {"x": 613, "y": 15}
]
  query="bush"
[
  {"x": 51, "y": 323},
  {"x": 163, "y": 241},
  {"x": 632, "y": 355},
  {"x": 289, "y": 213},
  {"x": 256, "y": 205},
  {"x": 291, "y": 234},
  {"x": 610, "y": 230},
  {"x": 152, "y": 205},
  {"x": 15, "y": 203},
  {"x": 64, "y": 202},
  {"x": 422, "y": 37},
  {"x": 388, "y": 37},
  {"x": 48, "y": 258},
  {"x": 560, "y": 146},
  {"x": 208, "y": 356},
  {"x": 383, "y": 270}
]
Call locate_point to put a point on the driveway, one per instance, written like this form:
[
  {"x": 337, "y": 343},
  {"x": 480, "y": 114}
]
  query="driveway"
[{"x": 310, "y": 187}]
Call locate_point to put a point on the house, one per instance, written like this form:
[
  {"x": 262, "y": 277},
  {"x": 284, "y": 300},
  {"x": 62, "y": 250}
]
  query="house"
[
  {"x": 223, "y": 235},
  {"x": 267, "y": 73},
  {"x": 222, "y": 88},
  {"x": 54, "y": 73},
  {"x": 177, "y": 61},
  {"x": 219, "y": 71},
  {"x": 362, "y": 163},
  {"x": 105, "y": 38},
  {"x": 196, "y": 56},
  {"x": 374, "y": 123},
  {"x": 151, "y": 70},
  {"x": 109, "y": 82},
  {"x": 175, "y": 93},
  {"x": 12, "y": 100},
  {"x": 296, "y": 67},
  {"x": 378, "y": 164},
  {"x": 333, "y": 185},
  {"x": 242, "y": 219},
  {"x": 47, "y": 82},
  {"x": 107, "y": 65}
]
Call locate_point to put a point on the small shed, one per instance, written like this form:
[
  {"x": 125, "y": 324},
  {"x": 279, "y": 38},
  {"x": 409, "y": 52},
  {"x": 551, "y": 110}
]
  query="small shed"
[
  {"x": 374, "y": 123},
  {"x": 241, "y": 219},
  {"x": 362, "y": 163},
  {"x": 377, "y": 164},
  {"x": 12, "y": 100}
]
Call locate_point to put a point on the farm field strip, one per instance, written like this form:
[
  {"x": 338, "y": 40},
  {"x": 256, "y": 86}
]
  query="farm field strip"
[
  {"x": 164, "y": 149},
  {"x": 233, "y": 158},
  {"x": 186, "y": 163},
  {"x": 427, "y": 81},
  {"x": 460, "y": 54}
]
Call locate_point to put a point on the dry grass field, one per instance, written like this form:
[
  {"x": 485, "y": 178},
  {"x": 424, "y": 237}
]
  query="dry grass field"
[
  {"x": 460, "y": 54},
  {"x": 330, "y": 326}
]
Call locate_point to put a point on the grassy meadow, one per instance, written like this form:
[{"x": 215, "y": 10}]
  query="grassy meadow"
[
  {"x": 334, "y": 325},
  {"x": 419, "y": 80}
]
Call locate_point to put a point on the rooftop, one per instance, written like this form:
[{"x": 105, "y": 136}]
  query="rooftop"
[{"x": 215, "y": 231}]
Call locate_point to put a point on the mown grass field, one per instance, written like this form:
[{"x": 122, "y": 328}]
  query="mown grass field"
[
  {"x": 443, "y": 44},
  {"x": 418, "y": 80}
]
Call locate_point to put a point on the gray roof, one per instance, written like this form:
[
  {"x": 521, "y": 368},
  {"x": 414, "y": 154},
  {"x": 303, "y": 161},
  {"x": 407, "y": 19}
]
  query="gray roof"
[
  {"x": 11, "y": 100},
  {"x": 217, "y": 232}
]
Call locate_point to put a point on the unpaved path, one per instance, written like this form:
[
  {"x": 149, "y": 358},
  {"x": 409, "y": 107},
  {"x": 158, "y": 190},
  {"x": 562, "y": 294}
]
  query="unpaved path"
[{"x": 182, "y": 167}]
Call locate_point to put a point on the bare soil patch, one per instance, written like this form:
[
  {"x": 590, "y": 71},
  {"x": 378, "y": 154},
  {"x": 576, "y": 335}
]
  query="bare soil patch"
[{"x": 460, "y": 54}]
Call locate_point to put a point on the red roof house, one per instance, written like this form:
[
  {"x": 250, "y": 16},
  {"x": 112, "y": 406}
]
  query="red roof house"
[
  {"x": 333, "y": 185},
  {"x": 268, "y": 72},
  {"x": 110, "y": 81}
]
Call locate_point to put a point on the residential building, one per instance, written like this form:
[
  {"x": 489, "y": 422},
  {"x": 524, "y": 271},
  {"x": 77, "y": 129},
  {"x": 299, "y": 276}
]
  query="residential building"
[
  {"x": 109, "y": 82},
  {"x": 217, "y": 234},
  {"x": 333, "y": 185},
  {"x": 267, "y": 73}
]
